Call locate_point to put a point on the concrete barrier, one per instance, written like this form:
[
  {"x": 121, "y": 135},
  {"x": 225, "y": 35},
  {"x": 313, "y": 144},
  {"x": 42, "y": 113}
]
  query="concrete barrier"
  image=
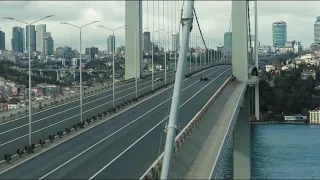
[
  {"x": 78, "y": 127},
  {"x": 186, "y": 131},
  {"x": 37, "y": 107}
]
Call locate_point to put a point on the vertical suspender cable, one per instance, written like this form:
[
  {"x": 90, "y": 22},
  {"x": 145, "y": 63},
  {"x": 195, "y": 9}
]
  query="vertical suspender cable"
[
  {"x": 152, "y": 47},
  {"x": 175, "y": 34},
  {"x": 164, "y": 45},
  {"x": 148, "y": 16}
]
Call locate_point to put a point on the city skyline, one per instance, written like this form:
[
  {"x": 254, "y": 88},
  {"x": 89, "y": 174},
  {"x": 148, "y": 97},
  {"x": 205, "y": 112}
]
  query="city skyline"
[{"x": 300, "y": 21}]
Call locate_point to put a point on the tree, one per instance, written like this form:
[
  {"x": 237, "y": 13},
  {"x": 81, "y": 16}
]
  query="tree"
[
  {"x": 3, "y": 100},
  {"x": 14, "y": 100}
]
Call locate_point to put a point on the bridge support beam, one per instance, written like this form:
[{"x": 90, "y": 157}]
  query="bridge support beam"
[
  {"x": 240, "y": 40},
  {"x": 257, "y": 102},
  {"x": 241, "y": 142},
  {"x": 133, "y": 21}
]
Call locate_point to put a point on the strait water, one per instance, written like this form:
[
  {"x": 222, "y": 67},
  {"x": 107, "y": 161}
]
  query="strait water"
[{"x": 281, "y": 152}]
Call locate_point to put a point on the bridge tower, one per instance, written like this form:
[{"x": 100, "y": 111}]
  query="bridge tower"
[
  {"x": 240, "y": 69},
  {"x": 133, "y": 19}
]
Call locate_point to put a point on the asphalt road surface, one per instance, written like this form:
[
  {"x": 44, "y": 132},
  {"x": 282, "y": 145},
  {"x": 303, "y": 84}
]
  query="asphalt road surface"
[
  {"x": 14, "y": 134},
  {"x": 125, "y": 145}
]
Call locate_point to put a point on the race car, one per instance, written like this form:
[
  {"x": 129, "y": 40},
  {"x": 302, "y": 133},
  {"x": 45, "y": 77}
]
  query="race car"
[
  {"x": 157, "y": 79},
  {"x": 204, "y": 79}
]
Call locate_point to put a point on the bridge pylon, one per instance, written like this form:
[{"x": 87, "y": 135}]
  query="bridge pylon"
[{"x": 241, "y": 132}]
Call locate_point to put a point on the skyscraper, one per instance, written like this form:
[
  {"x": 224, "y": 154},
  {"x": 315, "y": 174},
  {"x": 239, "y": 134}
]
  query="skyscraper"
[
  {"x": 32, "y": 38},
  {"x": 175, "y": 42},
  {"x": 92, "y": 51},
  {"x": 317, "y": 31},
  {"x": 146, "y": 42},
  {"x": 2, "y": 40},
  {"x": 279, "y": 34},
  {"x": 40, "y": 35},
  {"x": 228, "y": 40},
  {"x": 48, "y": 44},
  {"x": 111, "y": 44},
  {"x": 18, "y": 39}
]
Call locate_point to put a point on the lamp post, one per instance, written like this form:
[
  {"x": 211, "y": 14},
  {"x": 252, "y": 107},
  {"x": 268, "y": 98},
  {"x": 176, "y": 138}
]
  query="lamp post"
[
  {"x": 153, "y": 55},
  {"x": 29, "y": 44},
  {"x": 113, "y": 70},
  {"x": 80, "y": 29}
]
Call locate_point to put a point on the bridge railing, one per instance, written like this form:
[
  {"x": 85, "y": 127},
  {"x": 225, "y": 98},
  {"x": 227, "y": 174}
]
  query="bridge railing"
[
  {"x": 90, "y": 122},
  {"x": 154, "y": 170}
]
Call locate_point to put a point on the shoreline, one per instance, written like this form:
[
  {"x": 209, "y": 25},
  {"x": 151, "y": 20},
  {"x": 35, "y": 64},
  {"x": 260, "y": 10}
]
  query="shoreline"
[{"x": 275, "y": 122}]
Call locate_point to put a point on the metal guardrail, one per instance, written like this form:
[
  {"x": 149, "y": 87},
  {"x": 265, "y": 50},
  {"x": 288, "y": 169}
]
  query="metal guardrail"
[
  {"x": 112, "y": 111},
  {"x": 103, "y": 116},
  {"x": 154, "y": 170},
  {"x": 38, "y": 107}
]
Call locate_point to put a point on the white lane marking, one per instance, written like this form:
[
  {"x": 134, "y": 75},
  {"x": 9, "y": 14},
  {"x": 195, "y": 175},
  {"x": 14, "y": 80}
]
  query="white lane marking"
[
  {"x": 57, "y": 168},
  {"x": 74, "y": 108},
  {"x": 69, "y": 110},
  {"x": 63, "y": 120},
  {"x": 85, "y": 112},
  {"x": 97, "y": 173},
  {"x": 183, "y": 130},
  {"x": 72, "y": 136},
  {"x": 75, "y": 135},
  {"x": 20, "y": 118}
]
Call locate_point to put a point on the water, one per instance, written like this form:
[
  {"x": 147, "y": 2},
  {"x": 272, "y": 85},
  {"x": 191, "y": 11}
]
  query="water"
[{"x": 282, "y": 152}]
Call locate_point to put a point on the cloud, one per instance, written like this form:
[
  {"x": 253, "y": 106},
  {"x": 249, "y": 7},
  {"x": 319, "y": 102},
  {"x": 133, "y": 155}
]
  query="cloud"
[{"x": 214, "y": 18}]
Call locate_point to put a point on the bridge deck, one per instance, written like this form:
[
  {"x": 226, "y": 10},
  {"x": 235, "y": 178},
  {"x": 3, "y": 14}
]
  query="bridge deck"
[{"x": 201, "y": 150}]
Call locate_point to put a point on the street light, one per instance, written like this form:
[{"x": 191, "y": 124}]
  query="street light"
[
  {"x": 113, "y": 73},
  {"x": 153, "y": 55},
  {"x": 29, "y": 44},
  {"x": 136, "y": 81},
  {"x": 80, "y": 28},
  {"x": 169, "y": 33}
]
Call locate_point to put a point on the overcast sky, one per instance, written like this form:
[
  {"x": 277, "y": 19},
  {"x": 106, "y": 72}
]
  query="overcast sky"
[{"x": 214, "y": 17}]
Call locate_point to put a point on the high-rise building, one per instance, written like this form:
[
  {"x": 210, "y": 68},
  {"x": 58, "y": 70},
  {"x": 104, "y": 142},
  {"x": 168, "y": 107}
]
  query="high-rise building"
[
  {"x": 279, "y": 34},
  {"x": 2, "y": 40},
  {"x": 18, "y": 39},
  {"x": 175, "y": 42},
  {"x": 48, "y": 34},
  {"x": 317, "y": 31},
  {"x": 40, "y": 35},
  {"x": 111, "y": 44},
  {"x": 65, "y": 52},
  {"x": 48, "y": 44},
  {"x": 146, "y": 42},
  {"x": 228, "y": 40},
  {"x": 92, "y": 51},
  {"x": 32, "y": 37}
]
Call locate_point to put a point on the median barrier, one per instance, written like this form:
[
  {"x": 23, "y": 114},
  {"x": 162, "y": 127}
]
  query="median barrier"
[
  {"x": 16, "y": 113},
  {"x": 67, "y": 131},
  {"x": 82, "y": 125},
  {"x": 185, "y": 133}
]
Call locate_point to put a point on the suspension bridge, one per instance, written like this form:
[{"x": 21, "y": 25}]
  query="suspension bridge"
[{"x": 147, "y": 129}]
